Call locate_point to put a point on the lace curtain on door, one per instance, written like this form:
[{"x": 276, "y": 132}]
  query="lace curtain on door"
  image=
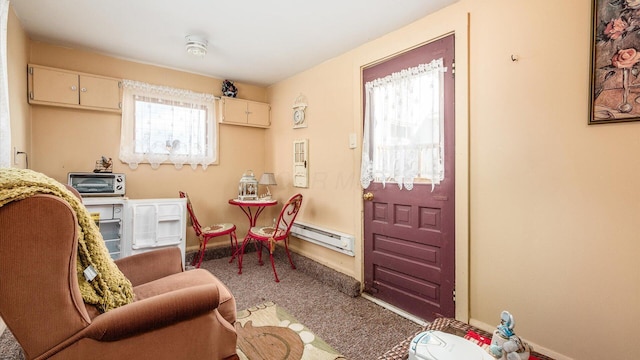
[
  {"x": 161, "y": 124},
  {"x": 403, "y": 127}
]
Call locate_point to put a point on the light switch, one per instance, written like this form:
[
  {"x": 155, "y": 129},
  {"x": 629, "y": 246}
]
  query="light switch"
[{"x": 352, "y": 141}]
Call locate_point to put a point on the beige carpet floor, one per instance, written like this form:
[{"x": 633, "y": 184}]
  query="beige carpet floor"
[{"x": 354, "y": 326}]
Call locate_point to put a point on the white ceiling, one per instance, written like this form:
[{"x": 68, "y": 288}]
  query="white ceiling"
[{"x": 252, "y": 41}]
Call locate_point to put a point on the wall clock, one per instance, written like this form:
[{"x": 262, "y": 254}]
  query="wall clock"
[{"x": 299, "y": 116}]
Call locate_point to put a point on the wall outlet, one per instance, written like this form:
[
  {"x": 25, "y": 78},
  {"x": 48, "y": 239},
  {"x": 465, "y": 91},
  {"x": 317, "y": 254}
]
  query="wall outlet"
[{"x": 15, "y": 156}]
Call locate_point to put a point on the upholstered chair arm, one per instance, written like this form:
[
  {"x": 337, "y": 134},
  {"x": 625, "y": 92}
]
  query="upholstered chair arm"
[
  {"x": 148, "y": 266},
  {"x": 153, "y": 313}
]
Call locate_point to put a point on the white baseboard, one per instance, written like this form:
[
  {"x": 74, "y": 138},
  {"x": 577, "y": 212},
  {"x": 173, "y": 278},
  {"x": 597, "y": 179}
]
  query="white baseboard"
[
  {"x": 394, "y": 309},
  {"x": 2, "y": 326}
]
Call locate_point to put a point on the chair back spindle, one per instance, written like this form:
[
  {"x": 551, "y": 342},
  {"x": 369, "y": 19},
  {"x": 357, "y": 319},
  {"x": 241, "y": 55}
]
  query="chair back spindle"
[
  {"x": 268, "y": 236},
  {"x": 288, "y": 214}
]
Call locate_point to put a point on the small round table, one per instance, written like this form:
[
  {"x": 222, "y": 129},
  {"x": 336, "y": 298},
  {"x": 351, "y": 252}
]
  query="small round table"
[{"x": 246, "y": 205}]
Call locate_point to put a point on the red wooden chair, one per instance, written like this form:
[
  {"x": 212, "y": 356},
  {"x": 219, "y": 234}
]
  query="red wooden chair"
[
  {"x": 269, "y": 235},
  {"x": 204, "y": 234}
]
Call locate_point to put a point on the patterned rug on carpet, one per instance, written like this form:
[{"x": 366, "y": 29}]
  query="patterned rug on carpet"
[
  {"x": 265, "y": 332},
  {"x": 269, "y": 332}
]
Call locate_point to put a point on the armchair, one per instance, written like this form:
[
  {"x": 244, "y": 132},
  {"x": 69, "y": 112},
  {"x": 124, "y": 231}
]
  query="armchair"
[{"x": 174, "y": 315}]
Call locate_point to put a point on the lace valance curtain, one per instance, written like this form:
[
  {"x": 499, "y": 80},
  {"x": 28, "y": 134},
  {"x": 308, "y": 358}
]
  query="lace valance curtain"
[
  {"x": 403, "y": 127},
  {"x": 5, "y": 119},
  {"x": 161, "y": 124}
]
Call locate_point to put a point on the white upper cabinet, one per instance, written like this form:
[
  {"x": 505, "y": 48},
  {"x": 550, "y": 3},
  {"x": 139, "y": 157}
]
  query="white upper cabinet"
[
  {"x": 244, "y": 112},
  {"x": 56, "y": 87}
]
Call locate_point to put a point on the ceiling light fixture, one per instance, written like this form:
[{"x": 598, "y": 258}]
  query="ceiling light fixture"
[{"x": 196, "y": 46}]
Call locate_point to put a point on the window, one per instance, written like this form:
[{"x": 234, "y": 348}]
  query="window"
[
  {"x": 403, "y": 137},
  {"x": 162, "y": 124}
]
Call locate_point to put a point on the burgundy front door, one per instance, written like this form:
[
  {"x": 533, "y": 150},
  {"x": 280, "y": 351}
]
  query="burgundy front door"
[{"x": 409, "y": 236}]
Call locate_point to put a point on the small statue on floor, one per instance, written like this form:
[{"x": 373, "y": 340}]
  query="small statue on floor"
[{"x": 505, "y": 344}]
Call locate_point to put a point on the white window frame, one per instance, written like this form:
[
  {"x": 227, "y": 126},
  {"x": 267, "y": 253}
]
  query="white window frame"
[{"x": 141, "y": 105}]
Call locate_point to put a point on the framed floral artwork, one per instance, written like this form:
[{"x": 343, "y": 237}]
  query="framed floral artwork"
[{"x": 615, "y": 62}]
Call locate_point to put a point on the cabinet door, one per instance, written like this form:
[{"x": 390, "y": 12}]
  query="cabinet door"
[
  {"x": 234, "y": 111},
  {"x": 156, "y": 223},
  {"x": 301, "y": 163},
  {"x": 144, "y": 226},
  {"x": 245, "y": 112},
  {"x": 54, "y": 86},
  {"x": 99, "y": 92},
  {"x": 259, "y": 114},
  {"x": 170, "y": 224}
]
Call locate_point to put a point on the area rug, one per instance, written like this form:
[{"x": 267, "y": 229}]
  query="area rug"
[
  {"x": 265, "y": 332},
  {"x": 269, "y": 332}
]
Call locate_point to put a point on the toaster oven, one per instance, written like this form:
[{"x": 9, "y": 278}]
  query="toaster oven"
[{"x": 97, "y": 184}]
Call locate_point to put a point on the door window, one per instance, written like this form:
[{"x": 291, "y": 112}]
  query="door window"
[{"x": 403, "y": 138}]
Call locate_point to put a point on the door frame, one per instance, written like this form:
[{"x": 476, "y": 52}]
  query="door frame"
[
  {"x": 460, "y": 29},
  {"x": 389, "y": 273}
]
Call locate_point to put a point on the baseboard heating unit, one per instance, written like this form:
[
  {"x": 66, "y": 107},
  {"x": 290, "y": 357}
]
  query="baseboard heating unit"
[{"x": 331, "y": 239}]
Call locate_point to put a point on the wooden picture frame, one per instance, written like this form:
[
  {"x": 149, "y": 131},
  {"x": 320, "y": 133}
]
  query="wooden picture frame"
[{"x": 615, "y": 62}]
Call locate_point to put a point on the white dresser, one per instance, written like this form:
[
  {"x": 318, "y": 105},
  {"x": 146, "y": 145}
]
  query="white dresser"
[
  {"x": 152, "y": 224},
  {"x": 134, "y": 226}
]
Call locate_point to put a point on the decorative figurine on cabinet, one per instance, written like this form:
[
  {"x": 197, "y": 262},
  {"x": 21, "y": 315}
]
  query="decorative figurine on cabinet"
[
  {"x": 228, "y": 89},
  {"x": 104, "y": 165}
]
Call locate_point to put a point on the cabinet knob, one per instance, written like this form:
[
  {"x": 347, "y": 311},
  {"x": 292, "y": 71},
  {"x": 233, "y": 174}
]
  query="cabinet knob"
[
  {"x": 83, "y": 89},
  {"x": 74, "y": 88}
]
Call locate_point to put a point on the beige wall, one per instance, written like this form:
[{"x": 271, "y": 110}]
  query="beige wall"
[
  {"x": 554, "y": 202},
  {"x": 18, "y": 56},
  {"x": 551, "y": 204},
  {"x": 546, "y": 206}
]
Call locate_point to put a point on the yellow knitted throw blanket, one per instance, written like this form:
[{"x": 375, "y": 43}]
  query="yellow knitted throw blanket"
[{"x": 110, "y": 288}]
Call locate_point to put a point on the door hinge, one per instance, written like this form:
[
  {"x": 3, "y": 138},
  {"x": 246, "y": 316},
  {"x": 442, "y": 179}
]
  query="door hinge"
[
  {"x": 454, "y": 295},
  {"x": 453, "y": 68},
  {"x": 31, "y": 70},
  {"x": 31, "y": 95}
]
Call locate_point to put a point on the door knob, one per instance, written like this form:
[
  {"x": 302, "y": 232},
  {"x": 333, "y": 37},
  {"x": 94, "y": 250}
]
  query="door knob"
[{"x": 367, "y": 196}]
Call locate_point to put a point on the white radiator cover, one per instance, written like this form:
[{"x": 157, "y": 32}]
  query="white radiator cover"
[{"x": 331, "y": 239}]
